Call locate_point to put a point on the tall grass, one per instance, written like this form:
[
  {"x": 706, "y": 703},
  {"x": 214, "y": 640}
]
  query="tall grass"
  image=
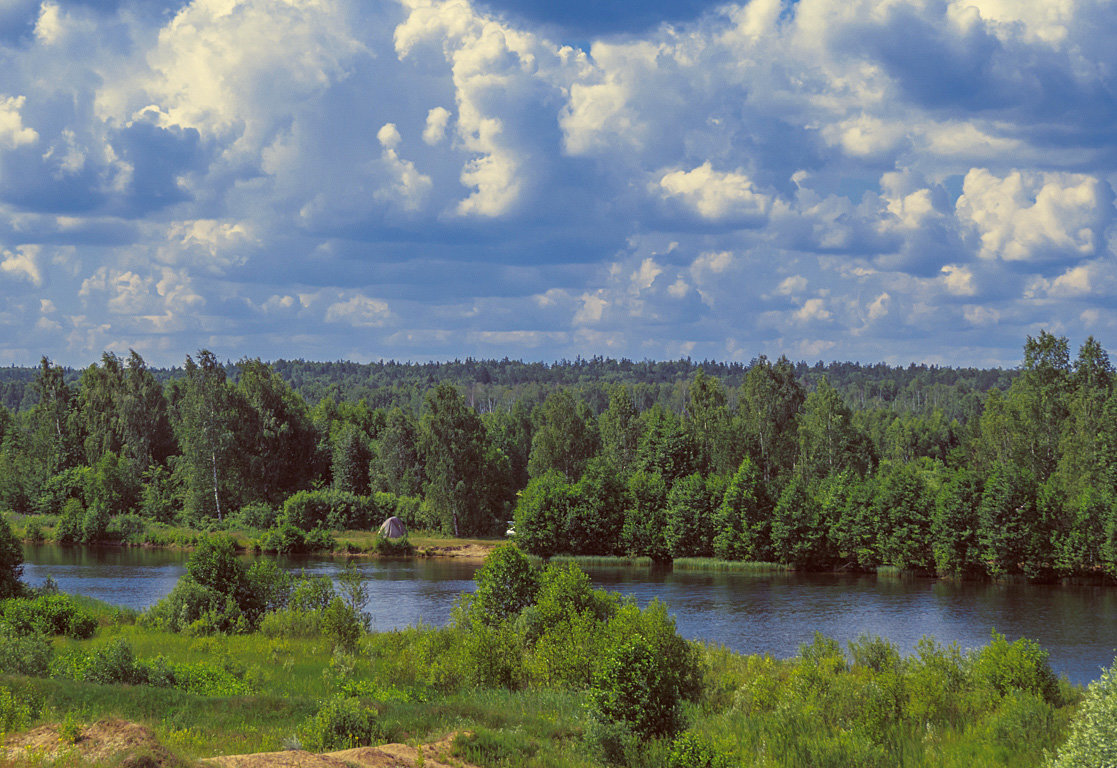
[{"x": 735, "y": 566}]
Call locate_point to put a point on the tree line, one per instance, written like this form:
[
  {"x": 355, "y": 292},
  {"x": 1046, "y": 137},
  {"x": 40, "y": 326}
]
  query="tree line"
[{"x": 771, "y": 462}]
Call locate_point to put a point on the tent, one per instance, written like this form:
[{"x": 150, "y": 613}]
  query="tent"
[{"x": 393, "y": 528}]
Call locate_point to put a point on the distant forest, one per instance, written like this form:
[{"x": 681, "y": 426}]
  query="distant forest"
[
  {"x": 494, "y": 384},
  {"x": 840, "y": 466}
]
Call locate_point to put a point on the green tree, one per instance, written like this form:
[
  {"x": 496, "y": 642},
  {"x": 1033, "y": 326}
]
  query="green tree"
[
  {"x": 566, "y": 437},
  {"x": 828, "y": 441},
  {"x": 954, "y": 529},
  {"x": 541, "y": 515},
  {"x": 209, "y": 419},
  {"x": 743, "y": 521},
  {"x": 276, "y": 434},
  {"x": 11, "y": 563},
  {"x": 665, "y": 447},
  {"x": 903, "y": 510},
  {"x": 619, "y": 426},
  {"x": 799, "y": 531},
  {"x": 349, "y": 465},
  {"x": 645, "y": 521},
  {"x": 595, "y": 516},
  {"x": 1006, "y": 517},
  {"x": 769, "y": 404},
  {"x": 707, "y": 421},
  {"x": 691, "y": 515},
  {"x": 452, "y": 444},
  {"x": 398, "y": 466}
]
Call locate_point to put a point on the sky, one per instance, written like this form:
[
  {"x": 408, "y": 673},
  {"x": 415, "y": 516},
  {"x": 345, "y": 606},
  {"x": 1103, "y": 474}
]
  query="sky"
[{"x": 871, "y": 180}]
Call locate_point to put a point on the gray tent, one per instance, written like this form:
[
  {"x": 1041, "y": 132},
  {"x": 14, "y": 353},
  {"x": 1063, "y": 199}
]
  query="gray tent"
[{"x": 393, "y": 528}]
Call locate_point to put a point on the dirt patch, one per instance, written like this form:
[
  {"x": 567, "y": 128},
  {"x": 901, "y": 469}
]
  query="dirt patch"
[
  {"x": 463, "y": 551},
  {"x": 435, "y": 755},
  {"x": 129, "y": 745}
]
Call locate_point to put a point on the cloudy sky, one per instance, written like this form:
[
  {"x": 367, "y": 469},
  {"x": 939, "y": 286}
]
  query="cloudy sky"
[{"x": 894, "y": 180}]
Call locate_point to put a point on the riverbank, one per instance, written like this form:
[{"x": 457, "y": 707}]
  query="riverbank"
[{"x": 498, "y": 696}]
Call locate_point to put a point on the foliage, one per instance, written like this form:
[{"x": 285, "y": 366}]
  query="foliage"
[
  {"x": 47, "y": 615},
  {"x": 342, "y": 722},
  {"x": 506, "y": 584},
  {"x": 11, "y": 562},
  {"x": 24, "y": 654},
  {"x": 1093, "y": 732}
]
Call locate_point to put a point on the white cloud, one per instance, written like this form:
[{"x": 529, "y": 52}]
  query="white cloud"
[
  {"x": 13, "y": 133},
  {"x": 792, "y": 285},
  {"x": 23, "y": 263},
  {"x": 438, "y": 119},
  {"x": 48, "y": 28},
  {"x": 359, "y": 311},
  {"x": 592, "y": 309},
  {"x": 813, "y": 310},
  {"x": 713, "y": 194},
  {"x": 958, "y": 280},
  {"x": 1031, "y": 216},
  {"x": 643, "y": 278}
]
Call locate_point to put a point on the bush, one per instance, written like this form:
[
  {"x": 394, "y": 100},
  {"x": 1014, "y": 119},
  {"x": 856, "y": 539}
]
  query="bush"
[
  {"x": 1093, "y": 732},
  {"x": 28, "y": 656},
  {"x": 15, "y": 713},
  {"x": 635, "y": 689},
  {"x": 689, "y": 750},
  {"x": 194, "y": 607},
  {"x": 331, "y": 509},
  {"x": 506, "y": 584},
  {"x": 288, "y": 539},
  {"x": 115, "y": 664},
  {"x": 68, "y": 530},
  {"x": 400, "y": 547},
  {"x": 47, "y": 615},
  {"x": 256, "y": 515},
  {"x": 11, "y": 562},
  {"x": 341, "y": 624},
  {"x": 1018, "y": 666},
  {"x": 340, "y": 723}
]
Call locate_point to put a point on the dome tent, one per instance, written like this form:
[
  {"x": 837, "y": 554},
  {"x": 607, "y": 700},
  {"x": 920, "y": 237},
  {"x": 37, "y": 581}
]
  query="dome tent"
[{"x": 393, "y": 528}]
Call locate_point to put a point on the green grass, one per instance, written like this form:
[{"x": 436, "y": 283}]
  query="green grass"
[{"x": 738, "y": 566}]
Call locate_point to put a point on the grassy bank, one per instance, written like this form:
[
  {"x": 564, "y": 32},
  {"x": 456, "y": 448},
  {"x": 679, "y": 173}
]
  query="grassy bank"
[{"x": 537, "y": 667}]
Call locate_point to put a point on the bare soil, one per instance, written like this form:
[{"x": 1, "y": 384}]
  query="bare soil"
[
  {"x": 435, "y": 755},
  {"x": 131, "y": 745},
  {"x": 114, "y": 741}
]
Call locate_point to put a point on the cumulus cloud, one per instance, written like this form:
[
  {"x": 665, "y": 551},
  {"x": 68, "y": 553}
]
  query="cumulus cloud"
[
  {"x": 359, "y": 311},
  {"x": 1036, "y": 216},
  {"x": 766, "y": 176},
  {"x": 715, "y": 195},
  {"x": 13, "y": 133}
]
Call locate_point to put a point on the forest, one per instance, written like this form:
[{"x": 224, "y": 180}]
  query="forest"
[{"x": 843, "y": 466}]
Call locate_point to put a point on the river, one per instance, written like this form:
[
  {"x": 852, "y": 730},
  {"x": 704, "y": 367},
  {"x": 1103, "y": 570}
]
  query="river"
[{"x": 771, "y": 613}]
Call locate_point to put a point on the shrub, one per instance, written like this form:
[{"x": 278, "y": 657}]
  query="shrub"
[
  {"x": 1020, "y": 666},
  {"x": 115, "y": 664},
  {"x": 199, "y": 608},
  {"x": 292, "y": 623},
  {"x": 311, "y": 593},
  {"x": 1093, "y": 732},
  {"x": 68, "y": 530},
  {"x": 689, "y": 750},
  {"x": 400, "y": 547},
  {"x": 506, "y": 584},
  {"x": 28, "y": 656},
  {"x": 47, "y": 615},
  {"x": 332, "y": 509},
  {"x": 635, "y": 689},
  {"x": 341, "y": 623},
  {"x": 11, "y": 562},
  {"x": 256, "y": 515},
  {"x": 129, "y": 527},
  {"x": 340, "y": 723},
  {"x": 15, "y": 713}
]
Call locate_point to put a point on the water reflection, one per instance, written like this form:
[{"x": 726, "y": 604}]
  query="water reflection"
[{"x": 749, "y": 613}]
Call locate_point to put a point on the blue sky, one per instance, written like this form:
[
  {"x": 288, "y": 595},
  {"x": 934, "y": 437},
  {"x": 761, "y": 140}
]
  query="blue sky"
[{"x": 875, "y": 180}]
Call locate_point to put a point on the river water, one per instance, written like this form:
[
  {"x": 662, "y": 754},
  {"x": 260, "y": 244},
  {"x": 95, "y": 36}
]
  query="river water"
[{"x": 772, "y": 613}]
